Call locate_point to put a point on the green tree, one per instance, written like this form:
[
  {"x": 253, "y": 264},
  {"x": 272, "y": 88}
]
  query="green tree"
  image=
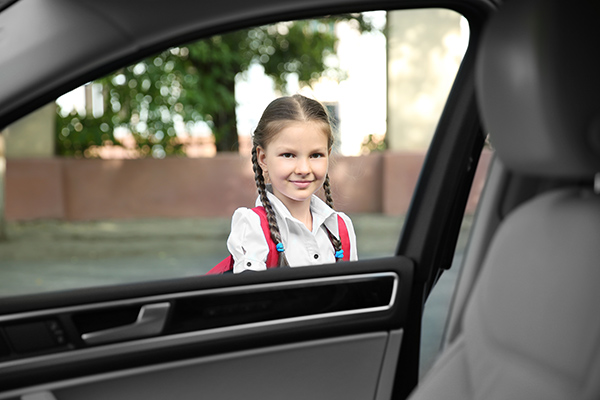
[{"x": 196, "y": 82}]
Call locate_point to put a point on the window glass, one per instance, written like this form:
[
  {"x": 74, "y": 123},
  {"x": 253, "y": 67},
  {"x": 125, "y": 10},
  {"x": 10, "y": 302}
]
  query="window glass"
[
  {"x": 439, "y": 301},
  {"x": 135, "y": 175}
]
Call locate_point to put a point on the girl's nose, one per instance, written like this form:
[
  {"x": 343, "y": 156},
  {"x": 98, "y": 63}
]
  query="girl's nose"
[{"x": 302, "y": 166}]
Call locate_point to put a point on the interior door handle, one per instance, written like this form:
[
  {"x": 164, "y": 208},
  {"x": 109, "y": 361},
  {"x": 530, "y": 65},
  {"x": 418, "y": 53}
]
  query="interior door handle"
[{"x": 150, "y": 321}]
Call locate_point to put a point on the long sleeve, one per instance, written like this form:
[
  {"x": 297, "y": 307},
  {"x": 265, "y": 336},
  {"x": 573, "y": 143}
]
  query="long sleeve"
[{"x": 246, "y": 242}]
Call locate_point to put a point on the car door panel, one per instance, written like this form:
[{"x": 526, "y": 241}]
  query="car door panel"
[
  {"x": 346, "y": 367},
  {"x": 332, "y": 320}
]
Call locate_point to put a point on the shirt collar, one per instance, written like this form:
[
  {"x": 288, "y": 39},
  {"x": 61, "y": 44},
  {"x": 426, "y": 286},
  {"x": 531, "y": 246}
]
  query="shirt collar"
[{"x": 321, "y": 212}]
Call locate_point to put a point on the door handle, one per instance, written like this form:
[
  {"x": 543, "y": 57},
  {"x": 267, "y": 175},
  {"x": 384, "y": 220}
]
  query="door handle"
[{"x": 150, "y": 321}]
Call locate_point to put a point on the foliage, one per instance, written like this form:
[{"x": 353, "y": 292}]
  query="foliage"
[
  {"x": 196, "y": 82},
  {"x": 373, "y": 143}
]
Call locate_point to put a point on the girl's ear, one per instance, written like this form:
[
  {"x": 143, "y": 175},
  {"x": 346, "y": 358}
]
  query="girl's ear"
[{"x": 261, "y": 156}]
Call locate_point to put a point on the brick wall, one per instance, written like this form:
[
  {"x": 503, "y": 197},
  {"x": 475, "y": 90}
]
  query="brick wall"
[{"x": 82, "y": 189}]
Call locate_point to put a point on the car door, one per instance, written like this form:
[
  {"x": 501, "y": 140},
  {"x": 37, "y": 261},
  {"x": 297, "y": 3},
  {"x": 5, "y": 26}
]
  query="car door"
[{"x": 337, "y": 331}]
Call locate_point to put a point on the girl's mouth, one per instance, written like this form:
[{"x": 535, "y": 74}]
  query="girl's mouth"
[{"x": 301, "y": 184}]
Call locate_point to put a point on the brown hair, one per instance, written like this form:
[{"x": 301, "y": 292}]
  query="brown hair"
[{"x": 277, "y": 115}]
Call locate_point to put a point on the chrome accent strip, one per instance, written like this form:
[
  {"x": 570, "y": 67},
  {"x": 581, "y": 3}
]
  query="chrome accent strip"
[
  {"x": 190, "y": 337},
  {"x": 174, "y": 296}
]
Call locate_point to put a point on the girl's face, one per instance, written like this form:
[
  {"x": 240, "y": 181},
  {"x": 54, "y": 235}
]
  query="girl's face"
[{"x": 296, "y": 161}]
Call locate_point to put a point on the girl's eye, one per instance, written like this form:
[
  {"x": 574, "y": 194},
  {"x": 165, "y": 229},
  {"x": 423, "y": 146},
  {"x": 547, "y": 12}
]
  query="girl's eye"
[
  {"x": 287, "y": 155},
  {"x": 318, "y": 155}
]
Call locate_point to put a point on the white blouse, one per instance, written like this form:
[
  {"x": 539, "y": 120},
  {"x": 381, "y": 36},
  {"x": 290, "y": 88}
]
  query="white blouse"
[{"x": 249, "y": 248}]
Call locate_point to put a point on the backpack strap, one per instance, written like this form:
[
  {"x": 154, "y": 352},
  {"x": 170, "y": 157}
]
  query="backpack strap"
[
  {"x": 226, "y": 265},
  {"x": 344, "y": 238}
]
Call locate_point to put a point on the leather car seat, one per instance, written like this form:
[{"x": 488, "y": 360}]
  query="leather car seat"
[{"x": 531, "y": 327}]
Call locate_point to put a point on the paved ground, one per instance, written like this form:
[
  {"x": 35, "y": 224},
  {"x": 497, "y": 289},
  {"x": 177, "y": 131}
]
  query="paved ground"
[{"x": 52, "y": 255}]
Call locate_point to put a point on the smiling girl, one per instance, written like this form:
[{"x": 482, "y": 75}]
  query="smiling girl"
[{"x": 290, "y": 157}]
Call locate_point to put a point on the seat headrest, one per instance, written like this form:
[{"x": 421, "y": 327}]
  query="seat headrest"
[{"x": 538, "y": 86}]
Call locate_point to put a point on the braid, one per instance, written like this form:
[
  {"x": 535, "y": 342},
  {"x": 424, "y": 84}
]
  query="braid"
[
  {"x": 264, "y": 199},
  {"x": 337, "y": 244},
  {"x": 327, "y": 190}
]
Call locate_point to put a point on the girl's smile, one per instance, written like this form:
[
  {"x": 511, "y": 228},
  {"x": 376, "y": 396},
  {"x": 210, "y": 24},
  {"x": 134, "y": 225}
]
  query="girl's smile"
[
  {"x": 296, "y": 161},
  {"x": 302, "y": 184}
]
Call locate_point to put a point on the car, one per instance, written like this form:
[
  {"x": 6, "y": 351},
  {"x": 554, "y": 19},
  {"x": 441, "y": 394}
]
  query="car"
[{"x": 521, "y": 322}]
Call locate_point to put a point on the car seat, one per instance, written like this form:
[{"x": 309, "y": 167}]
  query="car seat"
[{"x": 531, "y": 327}]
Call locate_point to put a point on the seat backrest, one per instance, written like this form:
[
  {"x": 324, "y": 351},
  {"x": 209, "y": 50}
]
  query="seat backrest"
[{"x": 531, "y": 329}]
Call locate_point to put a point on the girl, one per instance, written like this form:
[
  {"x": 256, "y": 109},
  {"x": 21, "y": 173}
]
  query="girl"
[{"x": 291, "y": 149}]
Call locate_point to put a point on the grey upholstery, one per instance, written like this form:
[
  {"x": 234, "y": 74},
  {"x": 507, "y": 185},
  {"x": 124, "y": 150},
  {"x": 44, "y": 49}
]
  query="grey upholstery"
[
  {"x": 531, "y": 329},
  {"x": 538, "y": 83}
]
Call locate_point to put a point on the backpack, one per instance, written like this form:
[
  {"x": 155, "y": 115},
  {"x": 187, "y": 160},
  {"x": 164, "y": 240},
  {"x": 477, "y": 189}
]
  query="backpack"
[{"x": 226, "y": 266}]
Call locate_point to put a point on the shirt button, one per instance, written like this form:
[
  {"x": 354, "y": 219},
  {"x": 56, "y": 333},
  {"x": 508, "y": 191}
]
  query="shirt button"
[
  {"x": 316, "y": 256},
  {"x": 248, "y": 264}
]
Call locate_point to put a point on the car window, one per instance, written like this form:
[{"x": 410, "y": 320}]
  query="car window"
[
  {"x": 135, "y": 175},
  {"x": 438, "y": 303}
]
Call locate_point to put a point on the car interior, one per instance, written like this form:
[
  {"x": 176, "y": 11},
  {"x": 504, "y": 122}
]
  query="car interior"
[
  {"x": 522, "y": 322},
  {"x": 528, "y": 329}
]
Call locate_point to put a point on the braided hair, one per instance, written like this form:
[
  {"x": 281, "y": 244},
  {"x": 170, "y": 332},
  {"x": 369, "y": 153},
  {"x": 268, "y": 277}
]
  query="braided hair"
[
  {"x": 337, "y": 244},
  {"x": 277, "y": 115}
]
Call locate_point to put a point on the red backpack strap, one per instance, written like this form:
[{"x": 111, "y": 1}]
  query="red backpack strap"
[
  {"x": 344, "y": 238},
  {"x": 273, "y": 256}
]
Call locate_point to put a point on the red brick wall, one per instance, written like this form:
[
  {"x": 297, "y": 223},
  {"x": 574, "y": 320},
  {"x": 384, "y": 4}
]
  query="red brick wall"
[
  {"x": 79, "y": 189},
  {"x": 34, "y": 189}
]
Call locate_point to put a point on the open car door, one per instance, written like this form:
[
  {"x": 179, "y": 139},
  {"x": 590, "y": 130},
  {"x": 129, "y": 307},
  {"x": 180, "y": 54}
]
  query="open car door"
[{"x": 347, "y": 331}]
